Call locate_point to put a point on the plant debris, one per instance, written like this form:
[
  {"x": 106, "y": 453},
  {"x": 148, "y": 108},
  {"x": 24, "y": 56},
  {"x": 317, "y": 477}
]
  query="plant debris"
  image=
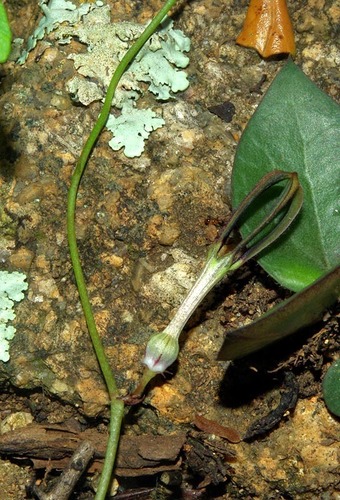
[
  {"x": 208, "y": 460},
  {"x": 225, "y": 111},
  {"x": 212, "y": 427},
  {"x": 51, "y": 446},
  {"x": 287, "y": 402},
  {"x": 268, "y": 28}
]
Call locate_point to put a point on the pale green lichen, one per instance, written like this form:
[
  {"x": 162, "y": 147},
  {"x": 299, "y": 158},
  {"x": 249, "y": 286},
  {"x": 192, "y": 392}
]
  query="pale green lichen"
[
  {"x": 131, "y": 129},
  {"x": 55, "y": 12},
  {"x": 107, "y": 43},
  {"x": 11, "y": 288},
  {"x": 158, "y": 64}
]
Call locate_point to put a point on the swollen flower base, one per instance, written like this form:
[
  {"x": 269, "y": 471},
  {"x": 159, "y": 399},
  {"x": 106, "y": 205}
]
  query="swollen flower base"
[{"x": 161, "y": 351}]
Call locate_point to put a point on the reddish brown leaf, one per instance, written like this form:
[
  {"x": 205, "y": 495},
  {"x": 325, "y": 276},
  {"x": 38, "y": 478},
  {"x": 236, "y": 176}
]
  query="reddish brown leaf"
[{"x": 212, "y": 427}]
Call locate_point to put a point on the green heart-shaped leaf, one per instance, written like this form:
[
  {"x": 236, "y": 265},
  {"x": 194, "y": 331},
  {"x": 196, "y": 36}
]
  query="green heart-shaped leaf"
[
  {"x": 5, "y": 35},
  {"x": 302, "y": 309},
  {"x": 295, "y": 128}
]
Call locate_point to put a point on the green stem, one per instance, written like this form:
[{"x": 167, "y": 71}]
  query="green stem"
[
  {"x": 116, "y": 405},
  {"x": 116, "y": 418},
  {"x": 73, "y": 190}
]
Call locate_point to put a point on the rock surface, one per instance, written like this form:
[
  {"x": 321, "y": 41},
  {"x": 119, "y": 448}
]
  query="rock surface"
[{"x": 143, "y": 228}]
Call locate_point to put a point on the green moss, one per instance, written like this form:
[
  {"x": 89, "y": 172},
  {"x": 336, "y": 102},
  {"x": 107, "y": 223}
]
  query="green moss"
[{"x": 8, "y": 226}]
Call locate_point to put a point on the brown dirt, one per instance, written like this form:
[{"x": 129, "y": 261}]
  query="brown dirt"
[{"x": 136, "y": 218}]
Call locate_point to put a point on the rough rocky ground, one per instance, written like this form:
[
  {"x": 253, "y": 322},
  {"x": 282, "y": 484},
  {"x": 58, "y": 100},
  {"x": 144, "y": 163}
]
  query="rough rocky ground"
[{"x": 137, "y": 219}]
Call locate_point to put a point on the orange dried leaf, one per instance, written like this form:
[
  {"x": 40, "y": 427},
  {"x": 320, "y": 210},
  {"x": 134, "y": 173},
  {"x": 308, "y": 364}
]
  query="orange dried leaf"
[
  {"x": 268, "y": 28},
  {"x": 212, "y": 427}
]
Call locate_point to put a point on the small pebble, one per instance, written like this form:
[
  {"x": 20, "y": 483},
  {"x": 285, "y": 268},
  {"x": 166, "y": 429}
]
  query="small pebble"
[
  {"x": 22, "y": 259},
  {"x": 32, "y": 192}
]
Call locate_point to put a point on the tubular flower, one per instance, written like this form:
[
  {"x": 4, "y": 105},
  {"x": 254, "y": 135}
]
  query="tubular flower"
[
  {"x": 268, "y": 28},
  {"x": 162, "y": 348}
]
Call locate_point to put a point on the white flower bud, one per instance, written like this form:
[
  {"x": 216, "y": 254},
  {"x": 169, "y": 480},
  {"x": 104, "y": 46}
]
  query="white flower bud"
[{"x": 161, "y": 351}]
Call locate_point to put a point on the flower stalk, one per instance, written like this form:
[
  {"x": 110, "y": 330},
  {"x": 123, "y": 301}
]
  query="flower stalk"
[
  {"x": 162, "y": 348},
  {"x": 116, "y": 404}
]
